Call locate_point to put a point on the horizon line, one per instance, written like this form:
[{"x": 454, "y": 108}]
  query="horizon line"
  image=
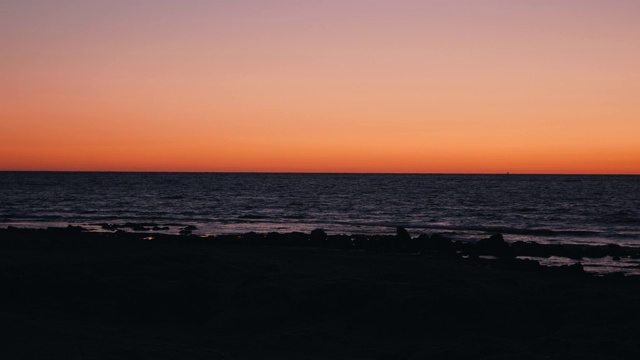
[{"x": 313, "y": 172}]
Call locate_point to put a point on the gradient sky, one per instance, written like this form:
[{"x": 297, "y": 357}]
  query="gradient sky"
[{"x": 476, "y": 86}]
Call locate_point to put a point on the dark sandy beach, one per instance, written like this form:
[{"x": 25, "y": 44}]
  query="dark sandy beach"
[{"x": 69, "y": 294}]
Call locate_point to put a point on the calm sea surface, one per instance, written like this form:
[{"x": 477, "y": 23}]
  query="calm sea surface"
[{"x": 543, "y": 208}]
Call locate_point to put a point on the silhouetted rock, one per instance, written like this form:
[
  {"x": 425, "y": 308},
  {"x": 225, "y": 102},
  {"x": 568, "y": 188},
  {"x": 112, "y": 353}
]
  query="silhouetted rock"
[
  {"x": 273, "y": 238},
  {"x": 495, "y": 240},
  {"x": 568, "y": 251},
  {"x": 139, "y": 227},
  {"x": 494, "y": 245},
  {"x": 75, "y": 228},
  {"x": 422, "y": 241},
  {"x": 208, "y": 297},
  {"x": 403, "y": 240},
  {"x": 577, "y": 267},
  {"x": 187, "y": 230},
  {"x": 531, "y": 248},
  {"x": 251, "y": 238},
  {"x": 382, "y": 243},
  {"x": 437, "y": 243},
  {"x": 517, "y": 264},
  {"x": 615, "y": 250},
  {"x": 574, "y": 269},
  {"x": 339, "y": 242},
  {"x": 286, "y": 239},
  {"x": 402, "y": 234},
  {"x": 318, "y": 237},
  {"x": 110, "y": 227},
  {"x": 234, "y": 239},
  {"x": 614, "y": 276},
  {"x": 361, "y": 241},
  {"x": 297, "y": 238}
]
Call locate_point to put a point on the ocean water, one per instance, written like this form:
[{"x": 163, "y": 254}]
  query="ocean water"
[{"x": 544, "y": 208}]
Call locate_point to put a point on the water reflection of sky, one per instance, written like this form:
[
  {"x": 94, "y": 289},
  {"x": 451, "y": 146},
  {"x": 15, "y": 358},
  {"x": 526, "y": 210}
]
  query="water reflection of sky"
[{"x": 605, "y": 265}]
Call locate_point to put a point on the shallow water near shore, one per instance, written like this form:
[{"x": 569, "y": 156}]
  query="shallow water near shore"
[{"x": 571, "y": 209}]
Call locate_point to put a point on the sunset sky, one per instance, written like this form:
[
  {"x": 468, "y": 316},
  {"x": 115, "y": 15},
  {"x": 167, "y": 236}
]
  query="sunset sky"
[{"x": 441, "y": 86}]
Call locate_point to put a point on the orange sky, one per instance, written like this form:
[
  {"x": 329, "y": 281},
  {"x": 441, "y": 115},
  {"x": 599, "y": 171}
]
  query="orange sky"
[{"x": 329, "y": 86}]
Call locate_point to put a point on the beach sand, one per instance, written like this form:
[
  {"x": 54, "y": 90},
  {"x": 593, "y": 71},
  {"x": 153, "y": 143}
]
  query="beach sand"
[{"x": 70, "y": 294}]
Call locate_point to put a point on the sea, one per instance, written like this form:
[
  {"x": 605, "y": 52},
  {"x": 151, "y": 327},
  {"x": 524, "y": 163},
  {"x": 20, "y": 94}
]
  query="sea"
[{"x": 565, "y": 209}]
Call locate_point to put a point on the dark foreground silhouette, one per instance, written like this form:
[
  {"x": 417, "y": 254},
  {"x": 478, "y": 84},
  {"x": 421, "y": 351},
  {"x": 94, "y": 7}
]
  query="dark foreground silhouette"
[{"x": 71, "y": 294}]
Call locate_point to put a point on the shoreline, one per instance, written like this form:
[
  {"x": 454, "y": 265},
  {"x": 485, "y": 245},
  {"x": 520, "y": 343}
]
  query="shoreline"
[
  {"x": 606, "y": 259},
  {"x": 72, "y": 294},
  {"x": 254, "y": 223}
]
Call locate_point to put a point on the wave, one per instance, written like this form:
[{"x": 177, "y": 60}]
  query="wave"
[
  {"x": 536, "y": 232},
  {"x": 485, "y": 229},
  {"x": 253, "y": 217},
  {"x": 622, "y": 217},
  {"x": 368, "y": 226},
  {"x": 528, "y": 207},
  {"x": 172, "y": 197}
]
